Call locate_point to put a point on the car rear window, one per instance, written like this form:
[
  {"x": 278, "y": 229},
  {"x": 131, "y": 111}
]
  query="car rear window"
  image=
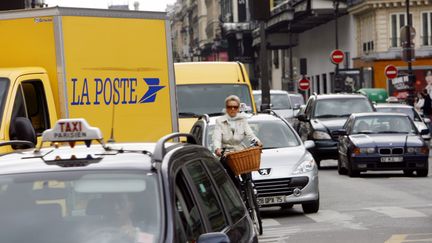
[
  {"x": 79, "y": 207},
  {"x": 327, "y": 108}
]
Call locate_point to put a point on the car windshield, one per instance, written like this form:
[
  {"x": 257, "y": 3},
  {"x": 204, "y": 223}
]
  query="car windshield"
[
  {"x": 383, "y": 124},
  {"x": 273, "y": 134},
  {"x": 405, "y": 110},
  {"x": 79, "y": 207},
  {"x": 296, "y": 99},
  {"x": 327, "y": 108},
  {"x": 208, "y": 98},
  {"x": 4, "y": 84},
  {"x": 278, "y": 101}
]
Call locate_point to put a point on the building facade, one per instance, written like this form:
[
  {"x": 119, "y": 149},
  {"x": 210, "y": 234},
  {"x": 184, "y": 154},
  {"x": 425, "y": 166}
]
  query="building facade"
[
  {"x": 378, "y": 44},
  {"x": 196, "y": 31}
]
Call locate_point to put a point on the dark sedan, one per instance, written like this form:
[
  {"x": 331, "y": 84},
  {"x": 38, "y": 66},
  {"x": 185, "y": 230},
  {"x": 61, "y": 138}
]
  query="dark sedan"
[{"x": 381, "y": 141}]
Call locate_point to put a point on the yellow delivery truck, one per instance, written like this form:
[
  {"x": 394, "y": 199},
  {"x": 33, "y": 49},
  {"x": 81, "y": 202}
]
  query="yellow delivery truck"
[
  {"x": 113, "y": 68},
  {"x": 203, "y": 86}
]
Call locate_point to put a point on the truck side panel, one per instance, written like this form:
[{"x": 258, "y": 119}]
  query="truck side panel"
[
  {"x": 30, "y": 42},
  {"x": 119, "y": 68}
]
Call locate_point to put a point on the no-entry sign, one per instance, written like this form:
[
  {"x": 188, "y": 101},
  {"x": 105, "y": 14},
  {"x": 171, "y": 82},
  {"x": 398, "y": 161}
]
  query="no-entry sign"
[
  {"x": 304, "y": 84},
  {"x": 390, "y": 71},
  {"x": 337, "y": 56}
]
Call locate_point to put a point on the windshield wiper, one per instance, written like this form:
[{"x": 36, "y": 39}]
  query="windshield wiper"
[
  {"x": 393, "y": 132},
  {"x": 365, "y": 132},
  {"x": 326, "y": 116},
  {"x": 343, "y": 115},
  {"x": 189, "y": 114},
  {"x": 216, "y": 114}
]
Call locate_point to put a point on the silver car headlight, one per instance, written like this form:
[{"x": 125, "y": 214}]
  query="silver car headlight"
[
  {"x": 320, "y": 135},
  {"x": 304, "y": 167}
]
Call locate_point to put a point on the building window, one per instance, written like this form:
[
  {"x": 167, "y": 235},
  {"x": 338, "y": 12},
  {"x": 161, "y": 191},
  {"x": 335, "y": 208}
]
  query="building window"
[
  {"x": 397, "y": 21},
  {"x": 426, "y": 35}
]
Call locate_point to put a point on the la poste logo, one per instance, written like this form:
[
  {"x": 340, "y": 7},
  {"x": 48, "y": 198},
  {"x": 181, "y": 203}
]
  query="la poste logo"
[{"x": 114, "y": 91}]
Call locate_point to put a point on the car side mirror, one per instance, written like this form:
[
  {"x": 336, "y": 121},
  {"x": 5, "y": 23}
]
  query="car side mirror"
[
  {"x": 424, "y": 132},
  {"x": 302, "y": 117},
  {"x": 309, "y": 144},
  {"x": 339, "y": 132},
  {"x": 213, "y": 237},
  {"x": 296, "y": 106},
  {"x": 24, "y": 131}
]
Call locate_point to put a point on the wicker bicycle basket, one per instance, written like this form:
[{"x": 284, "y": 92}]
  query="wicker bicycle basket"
[{"x": 244, "y": 161}]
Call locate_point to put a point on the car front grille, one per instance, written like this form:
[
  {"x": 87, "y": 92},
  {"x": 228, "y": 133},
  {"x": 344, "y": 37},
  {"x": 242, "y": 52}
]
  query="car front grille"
[
  {"x": 282, "y": 186},
  {"x": 391, "y": 151}
]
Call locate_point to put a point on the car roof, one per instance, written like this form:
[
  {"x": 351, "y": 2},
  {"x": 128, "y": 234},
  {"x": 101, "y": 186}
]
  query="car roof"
[
  {"x": 27, "y": 161},
  {"x": 272, "y": 91},
  {"x": 393, "y": 105},
  {"x": 251, "y": 118},
  {"x": 366, "y": 114},
  {"x": 340, "y": 96}
]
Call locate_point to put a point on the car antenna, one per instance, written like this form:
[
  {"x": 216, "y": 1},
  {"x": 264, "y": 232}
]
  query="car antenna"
[{"x": 111, "y": 139}]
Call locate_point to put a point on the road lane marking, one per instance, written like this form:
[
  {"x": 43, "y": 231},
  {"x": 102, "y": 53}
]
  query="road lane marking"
[
  {"x": 270, "y": 222},
  {"x": 396, "y": 239},
  {"x": 277, "y": 234},
  {"x": 406, "y": 238},
  {"x": 337, "y": 218},
  {"x": 398, "y": 212}
]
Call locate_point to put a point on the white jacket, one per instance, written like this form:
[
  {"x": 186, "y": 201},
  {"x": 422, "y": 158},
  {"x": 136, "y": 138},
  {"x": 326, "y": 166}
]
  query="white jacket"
[{"x": 231, "y": 139}]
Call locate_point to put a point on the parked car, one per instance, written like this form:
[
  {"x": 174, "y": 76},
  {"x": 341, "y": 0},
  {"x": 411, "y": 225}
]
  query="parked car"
[
  {"x": 139, "y": 192},
  {"x": 288, "y": 174},
  {"x": 420, "y": 122},
  {"x": 381, "y": 141},
  {"x": 297, "y": 101},
  {"x": 280, "y": 103},
  {"x": 326, "y": 113}
]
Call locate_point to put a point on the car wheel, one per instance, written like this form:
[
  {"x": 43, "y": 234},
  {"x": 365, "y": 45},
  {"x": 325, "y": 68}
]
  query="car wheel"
[
  {"x": 311, "y": 207},
  {"x": 422, "y": 172},
  {"x": 408, "y": 172},
  {"x": 341, "y": 170},
  {"x": 351, "y": 171}
]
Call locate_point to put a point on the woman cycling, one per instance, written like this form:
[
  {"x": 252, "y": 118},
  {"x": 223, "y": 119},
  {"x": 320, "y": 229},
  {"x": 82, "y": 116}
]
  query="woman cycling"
[{"x": 231, "y": 130}]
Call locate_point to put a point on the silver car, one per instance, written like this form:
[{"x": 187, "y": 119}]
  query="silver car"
[
  {"x": 280, "y": 103},
  {"x": 288, "y": 174}
]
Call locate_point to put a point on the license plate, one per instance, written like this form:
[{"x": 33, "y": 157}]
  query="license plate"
[
  {"x": 271, "y": 200},
  {"x": 391, "y": 159}
]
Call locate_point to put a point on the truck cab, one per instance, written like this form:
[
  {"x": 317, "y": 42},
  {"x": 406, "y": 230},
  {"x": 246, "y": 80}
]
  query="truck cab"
[{"x": 26, "y": 103}]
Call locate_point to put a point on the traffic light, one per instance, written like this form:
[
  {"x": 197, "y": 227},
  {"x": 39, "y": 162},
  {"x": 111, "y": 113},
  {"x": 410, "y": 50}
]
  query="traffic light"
[{"x": 259, "y": 9}]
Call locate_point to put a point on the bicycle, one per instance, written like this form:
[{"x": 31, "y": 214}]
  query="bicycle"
[{"x": 248, "y": 194}]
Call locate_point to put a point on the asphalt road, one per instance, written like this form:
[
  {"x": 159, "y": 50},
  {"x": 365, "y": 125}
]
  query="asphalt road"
[{"x": 376, "y": 207}]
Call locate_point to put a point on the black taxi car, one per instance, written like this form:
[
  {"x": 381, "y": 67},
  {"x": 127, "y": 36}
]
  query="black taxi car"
[
  {"x": 382, "y": 141},
  {"x": 143, "y": 192}
]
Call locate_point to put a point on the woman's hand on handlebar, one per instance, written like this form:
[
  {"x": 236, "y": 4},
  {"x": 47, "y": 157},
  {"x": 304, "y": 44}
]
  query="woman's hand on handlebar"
[{"x": 218, "y": 152}]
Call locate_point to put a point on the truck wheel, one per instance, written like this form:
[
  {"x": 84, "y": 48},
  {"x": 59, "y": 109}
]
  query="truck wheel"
[{"x": 311, "y": 207}]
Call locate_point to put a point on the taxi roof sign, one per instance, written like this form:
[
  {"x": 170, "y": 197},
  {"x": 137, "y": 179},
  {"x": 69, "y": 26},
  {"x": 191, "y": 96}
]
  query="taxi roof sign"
[{"x": 72, "y": 130}]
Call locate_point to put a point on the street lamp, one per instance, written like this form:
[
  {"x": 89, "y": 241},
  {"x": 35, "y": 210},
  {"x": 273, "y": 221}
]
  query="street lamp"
[{"x": 408, "y": 53}]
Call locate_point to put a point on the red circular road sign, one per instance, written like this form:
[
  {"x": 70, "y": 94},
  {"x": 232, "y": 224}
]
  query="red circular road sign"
[
  {"x": 304, "y": 84},
  {"x": 337, "y": 56},
  {"x": 391, "y": 71}
]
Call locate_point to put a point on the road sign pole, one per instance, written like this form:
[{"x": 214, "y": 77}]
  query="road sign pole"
[
  {"x": 336, "y": 5},
  {"x": 411, "y": 76}
]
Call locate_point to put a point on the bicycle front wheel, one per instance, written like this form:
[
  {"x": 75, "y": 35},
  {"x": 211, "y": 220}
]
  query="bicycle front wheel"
[{"x": 253, "y": 207}]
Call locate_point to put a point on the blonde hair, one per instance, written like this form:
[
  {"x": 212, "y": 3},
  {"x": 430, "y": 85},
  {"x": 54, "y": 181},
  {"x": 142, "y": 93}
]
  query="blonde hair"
[{"x": 232, "y": 98}]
